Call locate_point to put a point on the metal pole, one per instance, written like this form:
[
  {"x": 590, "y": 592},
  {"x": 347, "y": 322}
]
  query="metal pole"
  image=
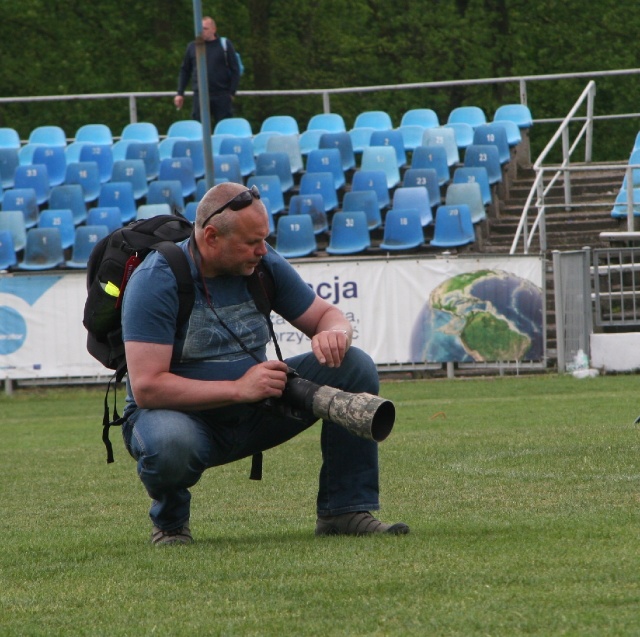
[{"x": 203, "y": 87}]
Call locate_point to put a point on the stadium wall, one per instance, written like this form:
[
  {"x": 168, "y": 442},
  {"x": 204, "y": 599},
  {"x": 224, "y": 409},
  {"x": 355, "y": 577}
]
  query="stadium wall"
[{"x": 406, "y": 312}]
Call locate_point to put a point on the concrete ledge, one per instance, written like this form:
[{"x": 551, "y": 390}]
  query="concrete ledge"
[{"x": 616, "y": 352}]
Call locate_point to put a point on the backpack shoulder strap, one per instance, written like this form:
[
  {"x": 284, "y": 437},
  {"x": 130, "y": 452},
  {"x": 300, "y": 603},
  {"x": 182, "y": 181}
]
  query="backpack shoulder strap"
[{"x": 179, "y": 265}]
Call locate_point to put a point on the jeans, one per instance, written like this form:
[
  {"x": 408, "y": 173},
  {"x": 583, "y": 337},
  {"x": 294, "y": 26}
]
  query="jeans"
[{"x": 173, "y": 448}]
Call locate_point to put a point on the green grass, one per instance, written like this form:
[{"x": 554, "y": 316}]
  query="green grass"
[{"x": 521, "y": 493}]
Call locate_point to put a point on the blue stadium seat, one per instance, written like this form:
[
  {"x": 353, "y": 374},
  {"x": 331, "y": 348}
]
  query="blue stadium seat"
[
  {"x": 120, "y": 195},
  {"x": 119, "y": 149},
  {"x": 453, "y": 227},
  {"x": 190, "y": 211},
  {"x": 445, "y": 137},
  {"x": 321, "y": 183},
  {"x": 148, "y": 153},
  {"x": 470, "y": 195},
  {"x": 411, "y": 136},
  {"x": 474, "y": 174},
  {"x": 272, "y": 225},
  {"x": 295, "y": 236},
  {"x": 192, "y": 149},
  {"x": 363, "y": 201},
  {"x": 486, "y": 156},
  {"x": 349, "y": 233},
  {"x": 43, "y": 250},
  {"x": 402, "y": 230},
  {"x": 496, "y": 135},
  {"x": 187, "y": 129},
  {"x": 378, "y": 120},
  {"x": 360, "y": 138},
  {"x": 70, "y": 196},
  {"x": 8, "y": 163},
  {"x": 392, "y": 138},
  {"x": 180, "y": 169},
  {"x": 432, "y": 157},
  {"x": 101, "y": 154},
  {"x": 329, "y": 122},
  {"x": 327, "y": 160},
  {"x": 134, "y": 171},
  {"x": 148, "y": 210},
  {"x": 375, "y": 180},
  {"x": 72, "y": 151},
  {"x": 54, "y": 158},
  {"x": 168, "y": 191},
  {"x": 287, "y": 144},
  {"x": 312, "y": 205},
  {"x": 9, "y": 138},
  {"x": 269, "y": 187},
  {"x": 63, "y": 221},
  {"x": 24, "y": 200},
  {"x": 425, "y": 117},
  {"x": 260, "y": 141},
  {"x": 341, "y": 141},
  {"x": 283, "y": 124},
  {"x": 108, "y": 216},
  {"x": 95, "y": 134},
  {"x": 514, "y": 136},
  {"x": 165, "y": 147},
  {"x": 8, "y": 258},
  {"x": 463, "y": 134},
  {"x": 48, "y": 135},
  {"x": 427, "y": 177},
  {"x": 12, "y": 221},
  {"x": 620, "y": 205},
  {"x": 415, "y": 198},
  {"x": 234, "y": 126},
  {"x": 276, "y": 164},
  {"x": 472, "y": 115},
  {"x": 517, "y": 113},
  {"x": 85, "y": 240},
  {"x": 243, "y": 148},
  {"x": 310, "y": 140},
  {"x": 227, "y": 168},
  {"x": 382, "y": 158},
  {"x": 33, "y": 176},
  {"x": 87, "y": 175},
  {"x": 141, "y": 132},
  {"x": 201, "y": 189}
]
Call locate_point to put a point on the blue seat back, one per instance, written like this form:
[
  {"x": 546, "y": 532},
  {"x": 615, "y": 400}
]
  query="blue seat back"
[
  {"x": 8, "y": 256},
  {"x": 69, "y": 196},
  {"x": 148, "y": 210},
  {"x": 120, "y": 195},
  {"x": 378, "y": 120},
  {"x": 134, "y": 171},
  {"x": 493, "y": 134},
  {"x": 63, "y": 221},
  {"x": 283, "y": 124},
  {"x": 8, "y": 163},
  {"x": 54, "y": 158},
  {"x": 432, "y": 157},
  {"x": 166, "y": 191},
  {"x": 85, "y": 240},
  {"x": 310, "y": 140},
  {"x": 180, "y": 169},
  {"x": 517, "y": 113},
  {"x": 415, "y": 197},
  {"x": 453, "y": 227},
  {"x": 141, "y": 132},
  {"x": 295, "y": 236},
  {"x": 48, "y": 135},
  {"x": 192, "y": 149},
  {"x": 148, "y": 152},
  {"x": 268, "y": 163},
  {"x": 243, "y": 148},
  {"x": 9, "y": 138},
  {"x": 469, "y": 194},
  {"x": 33, "y": 176},
  {"x": 327, "y": 160},
  {"x": 474, "y": 174},
  {"x": 227, "y": 167},
  {"x": 486, "y": 156},
  {"x": 108, "y": 216},
  {"x": 411, "y": 136},
  {"x": 234, "y": 126},
  {"x": 445, "y": 137},
  {"x": 12, "y": 221},
  {"x": 95, "y": 134},
  {"x": 402, "y": 230},
  {"x": 186, "y": 128},
  {"x": 426, "y": 177},
  {"x": 329, "y": 122},
  {"x": 349, "y": 233},
  {"x": 375, "y": 180},
  {"x": 463, "y": 134},
  {"x": 43, "y": 250},
  {"x": 312, "y": 205},
  {"x": 23, "y": 199},
  {"x": 290, "y": 145},
  {"x": 321, "y": 183},
  {"x": 364, "y": 201},
  {"x": 360, "y": 138},
  {"x": 392, "y": 138},
  {"x": 425, "y": 117},
  {"x": 87, "y": 175},
  {"x": 341, "y": 141},
  {"x": 382, "y": 158},
  {"x": 472, "y": 115},
  {"x": 102, "y": 155}
]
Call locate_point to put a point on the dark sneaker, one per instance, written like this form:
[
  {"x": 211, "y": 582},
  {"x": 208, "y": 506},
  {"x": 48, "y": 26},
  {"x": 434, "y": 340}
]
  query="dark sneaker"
[
  {"x": 359, "y": 523},
  {"x": 177, "y": 536}
]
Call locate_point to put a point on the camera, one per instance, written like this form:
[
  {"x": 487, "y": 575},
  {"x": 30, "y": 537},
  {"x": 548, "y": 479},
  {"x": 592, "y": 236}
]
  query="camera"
[{"x": 362, "y": 414}]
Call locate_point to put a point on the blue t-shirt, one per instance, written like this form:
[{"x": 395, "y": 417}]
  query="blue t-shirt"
[{"x": 204, "y": 349}]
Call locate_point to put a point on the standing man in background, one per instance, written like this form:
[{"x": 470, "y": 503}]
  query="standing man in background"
[{"x": 223, "y": 74}]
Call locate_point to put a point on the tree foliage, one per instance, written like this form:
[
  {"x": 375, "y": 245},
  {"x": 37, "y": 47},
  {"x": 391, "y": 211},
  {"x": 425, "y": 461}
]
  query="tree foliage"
[{"x": 62, "y": 48}]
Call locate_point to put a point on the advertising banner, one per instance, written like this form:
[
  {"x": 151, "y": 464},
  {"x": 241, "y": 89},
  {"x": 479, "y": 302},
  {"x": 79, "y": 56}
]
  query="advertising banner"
[{"x": 403, "y": 311}]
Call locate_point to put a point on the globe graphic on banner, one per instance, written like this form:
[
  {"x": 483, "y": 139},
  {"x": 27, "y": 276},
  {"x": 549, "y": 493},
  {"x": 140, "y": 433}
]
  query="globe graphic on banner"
[{"x": 486, "y": 315}]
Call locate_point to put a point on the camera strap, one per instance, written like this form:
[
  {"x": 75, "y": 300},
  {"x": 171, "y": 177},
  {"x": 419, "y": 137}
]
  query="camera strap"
[{"x": 256, "y": 286}]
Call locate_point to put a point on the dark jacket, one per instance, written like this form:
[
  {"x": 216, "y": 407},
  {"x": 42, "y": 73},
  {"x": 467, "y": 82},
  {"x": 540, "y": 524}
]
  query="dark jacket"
[{"x": 223, "y": 72}]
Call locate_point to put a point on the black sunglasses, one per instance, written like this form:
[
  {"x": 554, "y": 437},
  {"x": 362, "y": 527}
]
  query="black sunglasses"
[{"x": 241, "y": 200}]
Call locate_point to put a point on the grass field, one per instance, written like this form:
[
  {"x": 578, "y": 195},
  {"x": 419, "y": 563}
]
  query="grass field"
[{"x": 521, "y": 494}]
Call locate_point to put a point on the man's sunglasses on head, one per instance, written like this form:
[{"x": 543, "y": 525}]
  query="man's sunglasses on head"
[{"x": 241, "y": 200}]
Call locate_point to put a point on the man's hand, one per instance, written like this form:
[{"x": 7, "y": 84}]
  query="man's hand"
[
  {"x": 178, "y": 101},
  {"x": 266, "y": 380},
  {"x": 330, "y": 346}
]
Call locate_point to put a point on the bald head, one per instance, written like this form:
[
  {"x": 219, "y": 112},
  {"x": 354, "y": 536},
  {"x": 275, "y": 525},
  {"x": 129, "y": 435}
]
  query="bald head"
[{"x": 221, "y": 196}]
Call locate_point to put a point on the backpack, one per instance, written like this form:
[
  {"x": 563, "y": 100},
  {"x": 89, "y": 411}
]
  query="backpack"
[
  {"x": 223, "y": 41},
  {"x": 109, "y": 268}
]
